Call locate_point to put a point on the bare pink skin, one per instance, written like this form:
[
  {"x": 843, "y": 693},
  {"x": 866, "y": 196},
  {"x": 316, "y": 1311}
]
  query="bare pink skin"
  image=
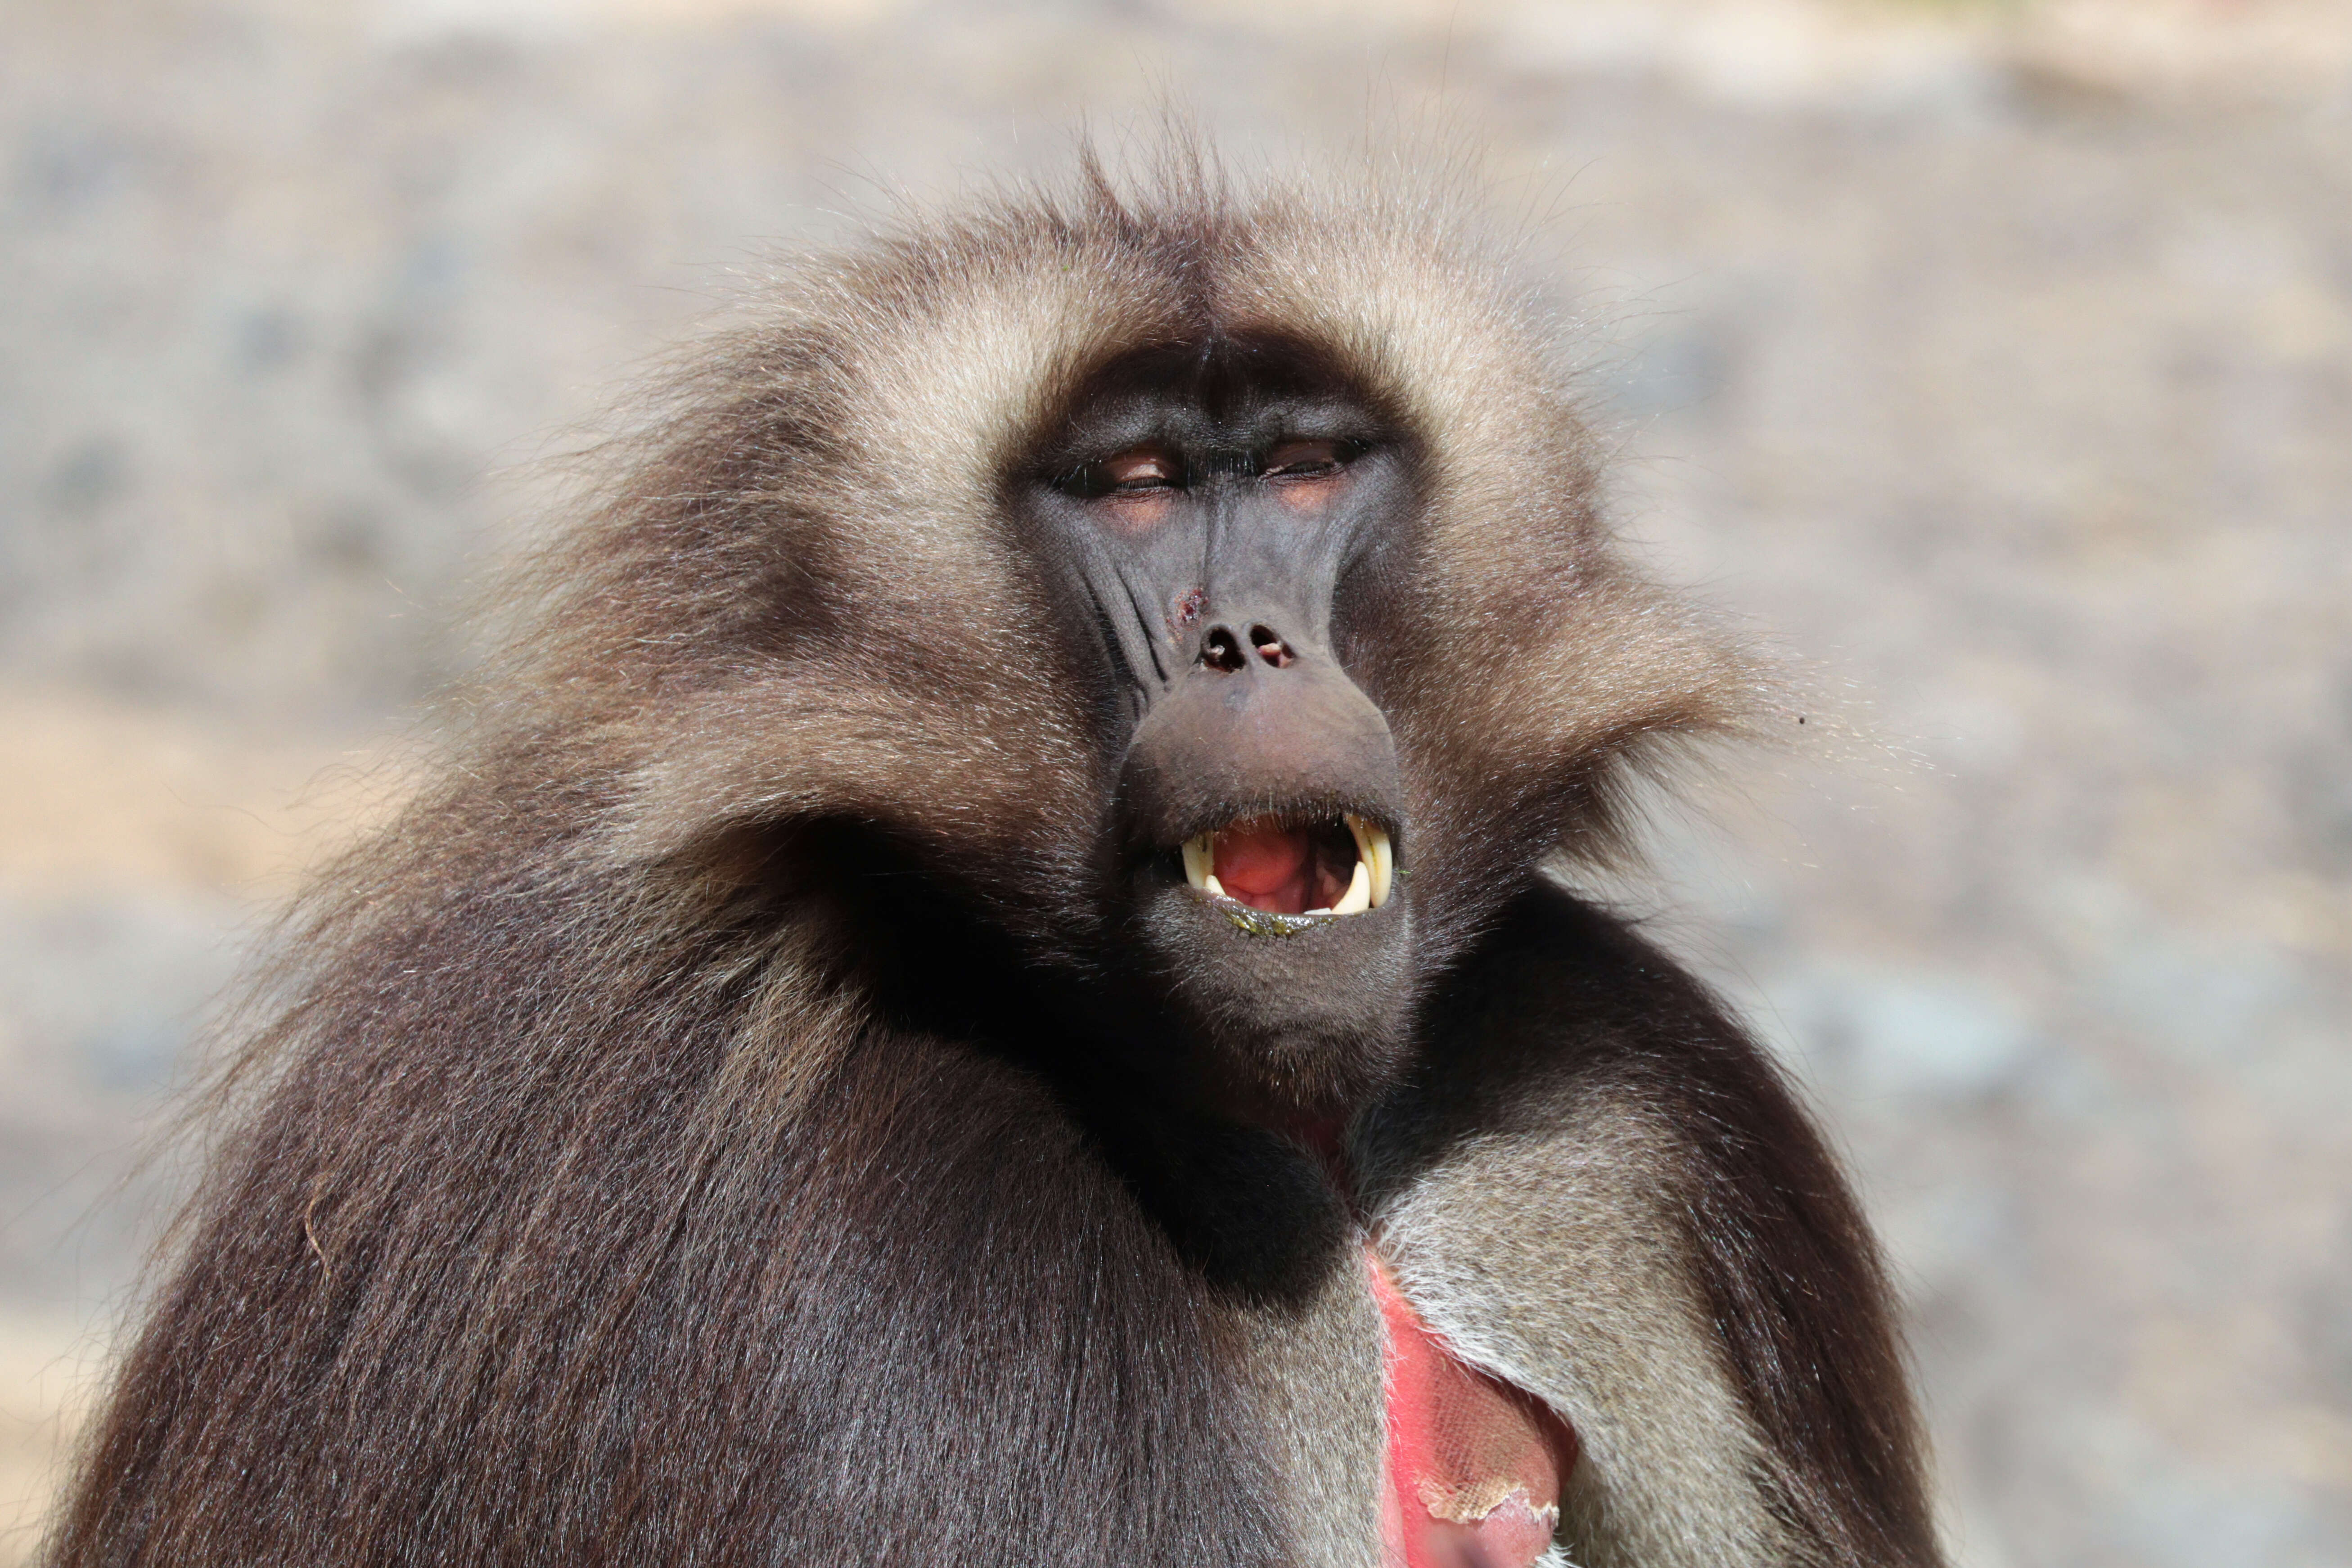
[{"x": 1475, "y": 1464}]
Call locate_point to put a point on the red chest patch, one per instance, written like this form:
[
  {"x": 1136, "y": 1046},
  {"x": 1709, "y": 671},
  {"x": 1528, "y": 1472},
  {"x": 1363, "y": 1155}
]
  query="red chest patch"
[{"x": 1475, "y": 1464}]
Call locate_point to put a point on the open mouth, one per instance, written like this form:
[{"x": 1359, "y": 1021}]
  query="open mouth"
[{"x": 1341, "y": 866}]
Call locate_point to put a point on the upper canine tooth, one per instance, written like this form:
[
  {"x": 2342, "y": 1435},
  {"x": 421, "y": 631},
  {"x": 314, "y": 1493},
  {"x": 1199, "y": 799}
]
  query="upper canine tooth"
[
  {"x": 1374, "y": 851},
  {"x": 1200, "y": 855},
  {"x": 1359, "y": 897}
]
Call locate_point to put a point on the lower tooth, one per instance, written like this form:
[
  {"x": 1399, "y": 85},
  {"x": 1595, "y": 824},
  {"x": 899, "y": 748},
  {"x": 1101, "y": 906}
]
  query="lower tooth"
[
  {"x": 1360, "y": 893},
  {"x": 1213, "y": 887}
]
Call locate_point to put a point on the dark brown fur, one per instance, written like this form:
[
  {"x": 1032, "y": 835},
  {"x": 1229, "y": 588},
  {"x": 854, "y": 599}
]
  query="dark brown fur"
[{"x": 653, "y": 1150}]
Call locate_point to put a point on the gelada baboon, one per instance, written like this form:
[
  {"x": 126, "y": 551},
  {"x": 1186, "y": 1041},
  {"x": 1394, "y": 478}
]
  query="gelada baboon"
[{"x": 983, "y": 987}]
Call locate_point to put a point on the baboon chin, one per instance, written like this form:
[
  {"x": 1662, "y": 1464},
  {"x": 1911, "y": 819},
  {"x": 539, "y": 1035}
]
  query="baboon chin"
[{"x": 977, "y": 988}]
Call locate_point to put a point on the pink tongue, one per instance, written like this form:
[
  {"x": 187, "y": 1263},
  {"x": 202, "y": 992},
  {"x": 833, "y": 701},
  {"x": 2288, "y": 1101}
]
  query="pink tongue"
[{"x": 1266, "y": 865}]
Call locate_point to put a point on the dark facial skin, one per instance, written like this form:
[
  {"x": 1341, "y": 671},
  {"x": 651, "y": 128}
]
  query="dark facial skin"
[{"x": 1211, "y": 519}]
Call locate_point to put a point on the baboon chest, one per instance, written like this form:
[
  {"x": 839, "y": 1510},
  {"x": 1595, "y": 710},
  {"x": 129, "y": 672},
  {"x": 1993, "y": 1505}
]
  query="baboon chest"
[{"x": 1475, "y": 1464}]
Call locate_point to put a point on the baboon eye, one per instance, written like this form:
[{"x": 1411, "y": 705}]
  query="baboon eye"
[
  {"x": 1139, "y": 471},
  {"x": 1135, "y": 487},
  {"x": 1309, "y": 460},
  {"x": 1143, "y": 469},
  {"x": 1305, "y": 475}
]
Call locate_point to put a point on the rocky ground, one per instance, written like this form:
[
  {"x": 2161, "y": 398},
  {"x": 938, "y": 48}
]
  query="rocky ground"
[{"x": 1997, "y": 357}]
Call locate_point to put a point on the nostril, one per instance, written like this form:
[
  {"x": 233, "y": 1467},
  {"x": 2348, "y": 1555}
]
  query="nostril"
[
  {"x": 1270, "y": 648},
  {"x": 1222, "y": 650}
]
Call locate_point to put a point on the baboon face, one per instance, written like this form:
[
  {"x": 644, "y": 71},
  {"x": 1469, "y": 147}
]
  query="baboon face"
[
  {"x": 1217, "y": 610},
  {"x": 1215, "y": 521}
]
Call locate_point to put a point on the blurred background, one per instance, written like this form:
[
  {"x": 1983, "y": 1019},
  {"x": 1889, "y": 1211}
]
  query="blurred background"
[{"x": 1995, "y": 354}]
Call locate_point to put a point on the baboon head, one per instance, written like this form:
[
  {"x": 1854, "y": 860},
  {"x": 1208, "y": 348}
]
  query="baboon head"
[{"x": 1204, "y": 593}]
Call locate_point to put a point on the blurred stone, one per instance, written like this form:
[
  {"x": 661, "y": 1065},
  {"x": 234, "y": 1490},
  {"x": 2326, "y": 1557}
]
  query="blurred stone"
[{"x": 1927, "y": 1038}]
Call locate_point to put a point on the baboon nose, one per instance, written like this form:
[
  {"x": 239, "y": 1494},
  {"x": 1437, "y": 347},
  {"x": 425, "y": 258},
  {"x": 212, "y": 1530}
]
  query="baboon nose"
[
  {"x": 1229, "y": 649},
  {"x": 1263, "y": 722}
]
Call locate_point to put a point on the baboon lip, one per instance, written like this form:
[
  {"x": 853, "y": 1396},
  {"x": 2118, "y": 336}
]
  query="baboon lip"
[{"x": 1292, "y": 868}]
